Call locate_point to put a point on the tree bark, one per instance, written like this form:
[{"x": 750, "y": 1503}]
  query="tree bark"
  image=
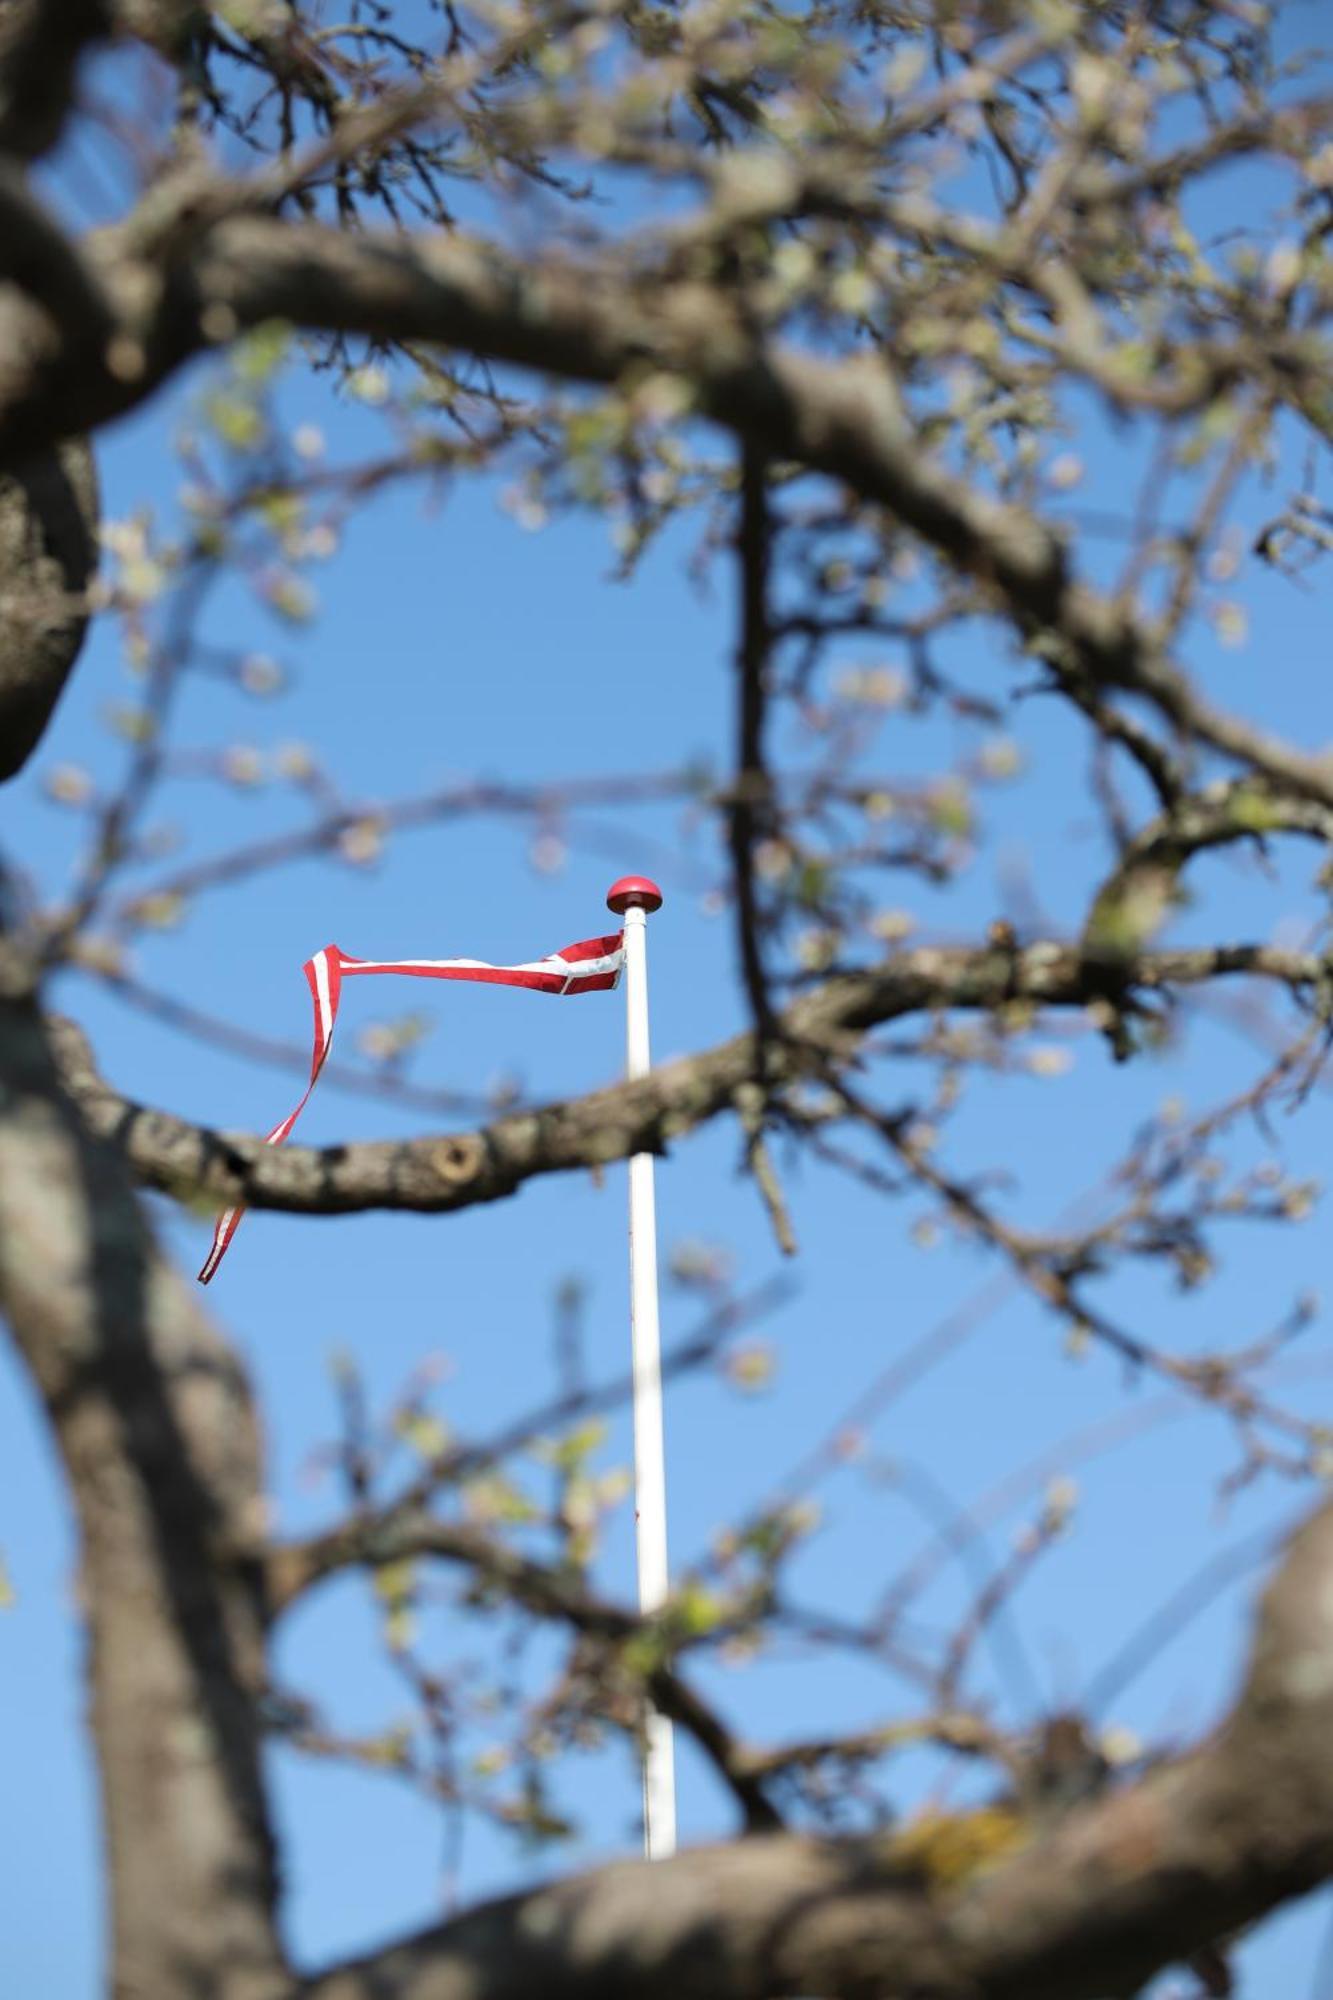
[
  {"x": 48, "y": 555},
  {"x": 441, "y": 1173},
  {"x": 1091, "y": 1909},
  {"x": 153, "y": 1418}
]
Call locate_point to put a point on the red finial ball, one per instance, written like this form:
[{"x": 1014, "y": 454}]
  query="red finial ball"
[{"x": 633, "y": 892}]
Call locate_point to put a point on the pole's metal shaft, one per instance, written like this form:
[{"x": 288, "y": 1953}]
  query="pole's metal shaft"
[{"x": 659, "y": 1768}]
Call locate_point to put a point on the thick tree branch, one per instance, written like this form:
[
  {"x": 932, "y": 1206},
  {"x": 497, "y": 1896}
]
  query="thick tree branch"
[
  {"x": 38, "y": 257},
  {"x": 179, "y": 279},
  {"x": 48, "y": 499},
  {"x": 48, "y": 554},
  {"x": 1117, "y": 1891},
  {"x": 40, "y": 48},
  {"x": 182, "y": 282},
  {"x": 154, "y": 1423},
  {"x": 436, "y": 1174}
]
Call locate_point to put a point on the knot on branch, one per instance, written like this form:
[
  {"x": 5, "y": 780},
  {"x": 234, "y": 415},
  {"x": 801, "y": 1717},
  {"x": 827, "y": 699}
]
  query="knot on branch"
[{"x": 457, "y": 1159}]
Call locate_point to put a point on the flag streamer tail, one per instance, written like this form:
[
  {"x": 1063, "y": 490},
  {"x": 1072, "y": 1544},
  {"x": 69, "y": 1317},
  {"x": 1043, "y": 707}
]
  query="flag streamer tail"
[{"x": 591, "y": 966}]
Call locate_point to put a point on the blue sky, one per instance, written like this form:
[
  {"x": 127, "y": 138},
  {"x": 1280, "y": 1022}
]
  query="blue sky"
[{"x": 451, "y": 644}]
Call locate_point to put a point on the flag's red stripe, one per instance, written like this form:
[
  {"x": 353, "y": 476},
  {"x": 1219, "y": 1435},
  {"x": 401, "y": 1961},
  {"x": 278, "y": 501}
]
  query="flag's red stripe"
[{"x": 324, "y": 975}]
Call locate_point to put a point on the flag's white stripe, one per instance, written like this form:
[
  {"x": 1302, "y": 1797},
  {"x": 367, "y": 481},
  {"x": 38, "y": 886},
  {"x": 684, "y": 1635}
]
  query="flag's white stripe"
[
  {"x": 556, "y": 966},
  {"x": 590, "y": 968},
  {"x": 322, "y": 990},
  {"x": 553, "y": 964}
]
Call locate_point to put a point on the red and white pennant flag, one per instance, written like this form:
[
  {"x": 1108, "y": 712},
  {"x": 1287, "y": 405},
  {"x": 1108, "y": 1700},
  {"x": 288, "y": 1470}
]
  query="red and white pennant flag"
[{"x": 591, "y": 966}]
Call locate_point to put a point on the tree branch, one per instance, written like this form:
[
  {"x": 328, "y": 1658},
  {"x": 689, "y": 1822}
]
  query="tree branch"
[
  {"x": 38, "y": 257},
  {"x": 1137, "y": 895},
  {"x": 182, "y": 278},
  {"x": 48, "y": 555},
  {"x": 751, "y": 801},
  {"x": 436, "y": 1174},
  {"x": 547, "y": 1591},
  {"x": 1117, "y": 1891},
  {"x": 40, "y": 48},
  {"x": 154, "y": 1422}
]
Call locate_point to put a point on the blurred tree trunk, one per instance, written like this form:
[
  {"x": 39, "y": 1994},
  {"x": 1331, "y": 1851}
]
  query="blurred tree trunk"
[{"x": 48, "y": 554}]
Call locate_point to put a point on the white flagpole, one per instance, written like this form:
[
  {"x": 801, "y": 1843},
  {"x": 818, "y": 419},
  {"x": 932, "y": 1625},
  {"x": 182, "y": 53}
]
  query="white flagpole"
[{"x": 633, "y": 897}]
